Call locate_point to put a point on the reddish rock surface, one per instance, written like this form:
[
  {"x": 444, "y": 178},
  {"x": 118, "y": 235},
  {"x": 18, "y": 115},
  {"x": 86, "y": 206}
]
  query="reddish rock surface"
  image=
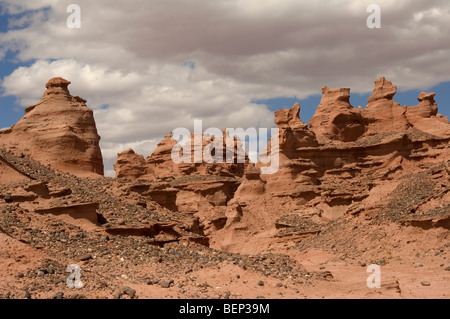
[
  {"x": 130, "y": 165},
  {"x": 424, "y": 116},
  {"x": 382, "y": 112},
  {"x": 335, "y": 118},
  {"x": 353, "y": 193},
  {"x": 343, "y": 164},
  {"x": 59, "y": 130},
  {"x": 160, "y": 164}
]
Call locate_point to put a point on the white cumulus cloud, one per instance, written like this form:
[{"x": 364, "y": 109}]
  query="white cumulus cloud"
[{"x": 149, "y": 66}]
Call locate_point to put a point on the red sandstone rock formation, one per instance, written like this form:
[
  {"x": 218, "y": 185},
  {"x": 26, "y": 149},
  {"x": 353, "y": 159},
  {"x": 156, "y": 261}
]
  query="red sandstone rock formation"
[
  {"x": 130, "y": 165},
  {"x": 59, "y": 130},
  {"x": 382, "y": 112},
  {"x": 160, "y": 164},
  {"x": 293, "y": 132},
  {"x": 335, "y": 118},
  {"x": 345, "y": 164},
  {"x": 356, "y": 191},
  {"x": 424, "y": 116}
]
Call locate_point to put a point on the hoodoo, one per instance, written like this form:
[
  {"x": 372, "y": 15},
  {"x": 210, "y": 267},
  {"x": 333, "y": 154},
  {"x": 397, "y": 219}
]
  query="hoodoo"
[{"x": 59, "y": 131}]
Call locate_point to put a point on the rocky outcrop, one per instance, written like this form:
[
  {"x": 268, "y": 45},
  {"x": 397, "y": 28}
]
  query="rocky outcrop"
[
  {"x": 59, "y": 131},
  {"x": 382, "y": 112},
  {"x": 424, "y": 116},
  {"x": 293, "y": 132},
  {"x": 161, "y": 166},
  {"x": 130, "y": 165},
  {"x": 336, "y": 119},
  {"x": 344, "y": 164}
]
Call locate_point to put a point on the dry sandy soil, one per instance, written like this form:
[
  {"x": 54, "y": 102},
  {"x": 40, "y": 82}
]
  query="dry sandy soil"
[{"x": 38, "y": 245}]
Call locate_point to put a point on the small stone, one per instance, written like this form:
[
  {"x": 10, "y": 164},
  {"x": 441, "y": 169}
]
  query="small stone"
[
  {"x": 121, "y": 221},
  {"x": 362, "y": 264},
  {"x": 417, "y": 265},
  {"x": 40, "y": 274},
  {"x": 278, "y": 285},
  {"x": 447, "y": 268},
  {"x": 20, "y": 275},
  {"x": 425, "y": 283},
  {"x": 85, "y": 257},
  {"x": 164, "y": 284},
  {"x": 117, "y": 295},
  {"x": 260, "y": 283},
  {"x": 238, "y": 276},
  {"x": 129, "y": 291},
  {"x": 73, "y": 296},
  {"x": 27, "y": 294},
  {"x": 58, "y": 295},
  {"x": 8, "y": 198}
]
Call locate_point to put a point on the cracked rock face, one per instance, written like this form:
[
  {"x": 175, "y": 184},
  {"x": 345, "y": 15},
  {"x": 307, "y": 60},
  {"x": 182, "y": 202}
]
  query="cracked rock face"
[{"x": 59, "y": 131}]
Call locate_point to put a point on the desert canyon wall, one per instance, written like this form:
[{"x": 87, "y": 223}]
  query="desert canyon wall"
[
  {"x": 355, "y": 186},
  {"x": 347, "y": 161}
]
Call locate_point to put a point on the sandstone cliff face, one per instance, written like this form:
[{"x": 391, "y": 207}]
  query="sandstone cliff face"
[
  {"x": 352, "y": 161},
  {"x": 60, "y": 131},
  {"x": 346, "y": 163},
  {"x": 335, "y": 118}
]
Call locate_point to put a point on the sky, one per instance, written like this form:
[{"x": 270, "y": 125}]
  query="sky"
[{"x": 147, "y": 67}]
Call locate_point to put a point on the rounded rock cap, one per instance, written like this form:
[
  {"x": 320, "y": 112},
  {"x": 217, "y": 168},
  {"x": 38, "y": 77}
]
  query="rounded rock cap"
[{"x": 57, "y": 82}]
